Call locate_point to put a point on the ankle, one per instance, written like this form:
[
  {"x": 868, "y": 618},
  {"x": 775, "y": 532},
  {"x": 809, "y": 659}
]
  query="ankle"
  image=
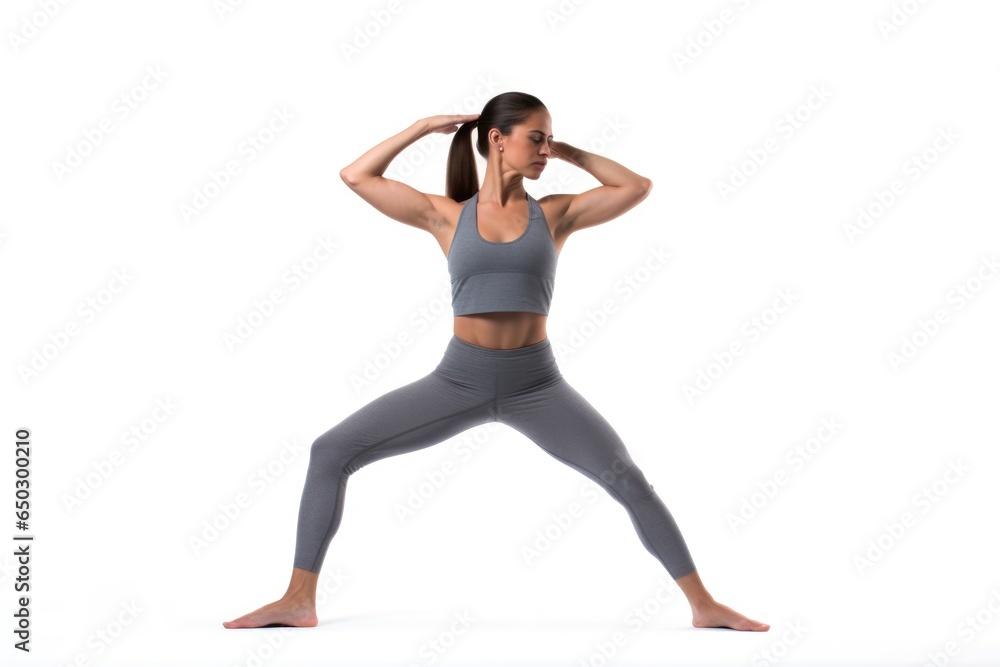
[
  {"x": 703, "y": 605},
  {"x": 694, "y": 590},
  {"x": 302, "y": 586},
  {"x": 299, "y": 596}
]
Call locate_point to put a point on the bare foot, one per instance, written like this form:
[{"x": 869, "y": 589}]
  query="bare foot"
[
  {"x": 715, "y": 615},
  {"x": 284, "y": 612}
]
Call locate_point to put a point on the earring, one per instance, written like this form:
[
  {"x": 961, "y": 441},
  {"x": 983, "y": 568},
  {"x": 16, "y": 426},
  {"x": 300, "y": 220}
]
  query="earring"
[{"x": 501, "y": 149}]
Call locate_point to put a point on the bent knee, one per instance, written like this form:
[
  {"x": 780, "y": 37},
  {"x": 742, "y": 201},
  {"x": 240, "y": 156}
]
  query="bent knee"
[
  {"x": 328, "y": 450},
  {"x": 632, "y": 484}
]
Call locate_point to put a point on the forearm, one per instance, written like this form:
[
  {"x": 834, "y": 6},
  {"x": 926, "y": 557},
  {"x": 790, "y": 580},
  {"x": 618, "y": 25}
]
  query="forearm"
[
  {"x": 605, "y": 170},
  {"x": 377, "y": 159}
]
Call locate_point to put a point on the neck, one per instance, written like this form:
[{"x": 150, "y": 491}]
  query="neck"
[{"x": 501, "y": 187}]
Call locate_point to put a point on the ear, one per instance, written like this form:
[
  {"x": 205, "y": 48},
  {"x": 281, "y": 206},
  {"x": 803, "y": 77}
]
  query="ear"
[{"x": 495, "y": 136}]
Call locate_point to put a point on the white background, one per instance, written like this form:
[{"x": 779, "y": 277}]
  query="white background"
[{"x": 610, "y": 76}]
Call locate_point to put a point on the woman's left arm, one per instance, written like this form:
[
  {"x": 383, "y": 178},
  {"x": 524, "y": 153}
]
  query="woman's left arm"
[{"x": 621, "y": 188}]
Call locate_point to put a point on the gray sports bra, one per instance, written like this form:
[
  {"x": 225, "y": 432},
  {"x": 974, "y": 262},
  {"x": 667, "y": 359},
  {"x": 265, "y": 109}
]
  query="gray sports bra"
[{"x": 490, "y": 276}]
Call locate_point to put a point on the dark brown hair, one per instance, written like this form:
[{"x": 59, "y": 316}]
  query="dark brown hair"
[{"x": 502, "y": 112}]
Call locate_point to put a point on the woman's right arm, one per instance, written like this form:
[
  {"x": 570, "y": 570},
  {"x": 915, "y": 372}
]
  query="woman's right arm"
[{"x": 393, "y": 198}]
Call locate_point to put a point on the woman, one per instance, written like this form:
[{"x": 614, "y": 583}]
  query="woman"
[{"x": 501, "y": 247}]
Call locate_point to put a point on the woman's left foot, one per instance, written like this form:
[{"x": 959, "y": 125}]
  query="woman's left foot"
[{"x": 715, "y": 615}]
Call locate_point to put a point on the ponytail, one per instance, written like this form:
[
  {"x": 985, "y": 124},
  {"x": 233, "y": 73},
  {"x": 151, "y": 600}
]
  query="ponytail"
[{"x": 462, "y": 177}]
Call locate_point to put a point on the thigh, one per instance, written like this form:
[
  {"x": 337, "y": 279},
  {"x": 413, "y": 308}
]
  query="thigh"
[
  {"x": 562, "y": 422},
  {"x": 416, "y": 415}
]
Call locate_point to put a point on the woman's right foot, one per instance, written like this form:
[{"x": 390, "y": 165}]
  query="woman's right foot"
[{"x": 284, "y": 612}]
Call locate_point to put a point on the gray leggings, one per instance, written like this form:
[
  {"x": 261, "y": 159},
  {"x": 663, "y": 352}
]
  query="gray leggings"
[{"x": 522, "y": 388}]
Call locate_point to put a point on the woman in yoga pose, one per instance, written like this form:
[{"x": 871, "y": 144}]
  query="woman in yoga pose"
[{"x": 501, "y": 246}]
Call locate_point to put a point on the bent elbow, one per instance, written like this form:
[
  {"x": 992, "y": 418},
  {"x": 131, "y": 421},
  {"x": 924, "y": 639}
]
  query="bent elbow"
[
  {"x": 642, "y": 188},
  {"x": 347, "y": 178}
]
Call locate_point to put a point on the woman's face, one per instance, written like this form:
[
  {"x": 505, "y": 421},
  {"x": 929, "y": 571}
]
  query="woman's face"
[{"x": 528, "y": 147}]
